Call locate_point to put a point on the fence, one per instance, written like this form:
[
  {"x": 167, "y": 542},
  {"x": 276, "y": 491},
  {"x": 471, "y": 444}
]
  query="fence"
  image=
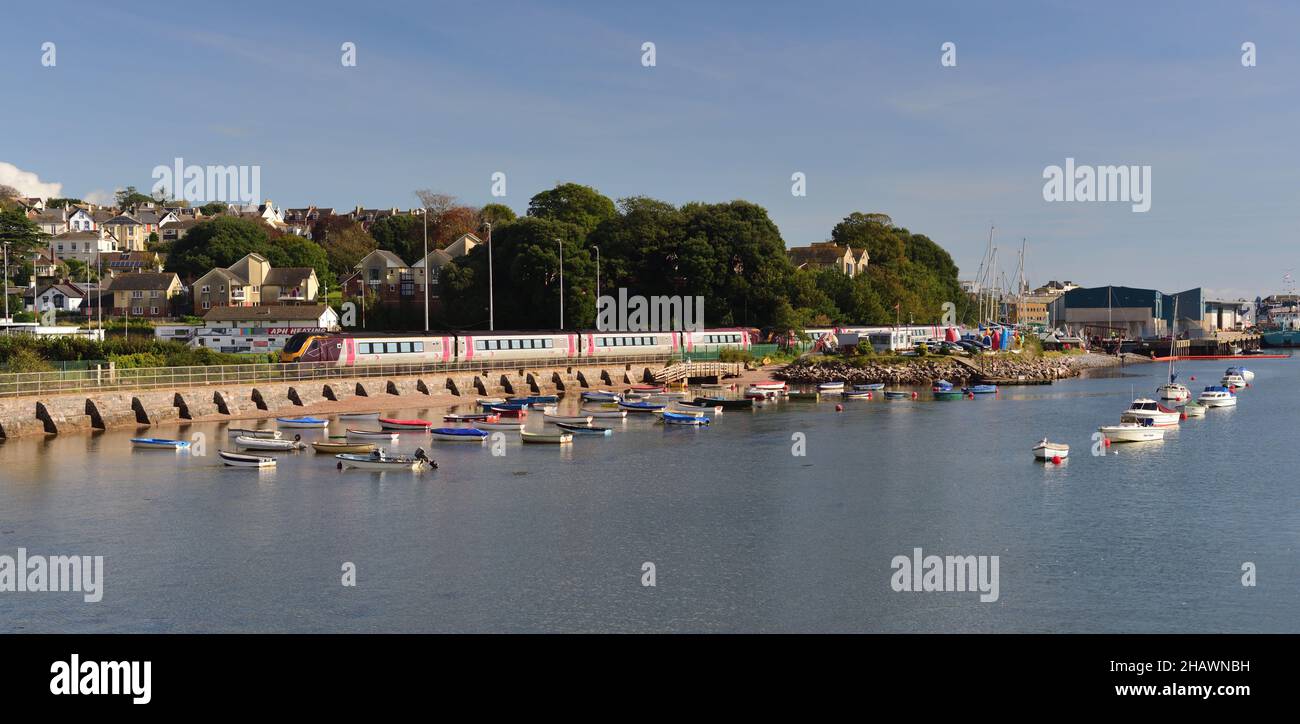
[{"x": 25, "y": 384}]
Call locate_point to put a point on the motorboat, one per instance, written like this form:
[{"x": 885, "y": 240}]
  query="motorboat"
[
  {"x": 387, "y": 423},
  {"x": 1234, "y": 380},
  {"x": 373, "y": 435},
  {"x": 547, "y": 438},
  {"x": 1132, "y": 432},
  {"x": 309, "y": 422},
  {"x": 1046, "y": 450},
  {"x": 1173, "y": 392},
  {"x": 158, "y": 443},
  {"x": 584, "y": 429},
  {"x": 269, "y": 445},
  {"x": 380, "y": 461},
  {"x": 337, "y": 448},
  {"x": 241, "y": 460},
  {"x": 1245, "y": 374},
  {"x": 1192, "y": 408},
  {"x": 1217, "y": 396},
  {"x": 1146, "y": 409},
  {"x": 251, "y": 432},
  {"x": 459, "y": 434}
]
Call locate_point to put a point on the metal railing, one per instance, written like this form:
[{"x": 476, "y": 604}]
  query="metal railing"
[{"x": 35, "y": 384}]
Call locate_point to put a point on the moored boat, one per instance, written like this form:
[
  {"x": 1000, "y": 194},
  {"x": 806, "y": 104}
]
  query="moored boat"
[
  {"x": 337, "y": 448},
  {"x": 600, "y": 396},
  {"x": 771, "y": 385},
  {"x": 1233, "y": 380},
  {"x": 796, "y": 396},
  {"x": 1146, "y": 409},
  {"x": 870, "y": 386},
  {"x": 856, "y": 395},
  {"x": 158, "y": 443},
  {"x": 380, "y": 461},
  {"x": 1246, "y": 374},
  {"x": 358, "y": 416},
  {"x": 373, "y": 434},
  {"x": 728, "y": 403},
  {"x": 948, "y": 394},
  {"x": 941, "y": 386},
  {"x": 547, "y": 438},
  {"x": 1132, "y": 432},
  {"x": 571, "y": 419},
  {"x": 388, "y": 423},
  {"x": 620, "y": 414},
  {"x": 459, "y": 434},
  {"x": 251, "y": 432},
  {"x": 504, "y": 411},
  {"x": 1192, "y": 408},
  {"x": 499, "y": 426},
  {"x": 240, "y": 460},
  {"x": 673, "y": 418},
  {"x": 830, "y": 387},
  {"x": 305, "y": 422},
  {"x": 1173, "y": 392},
  {"x": 261, "y": 443},
  {"x": 585, "y": 429},
  {"x": 489, "y": 401},
  {"x": 691, "y": 413},
  {"x": 683, "y": 406},
  {"x": 981, "y": 390},
  {"x": 640, "y": 406},
  {"x": 897, "y": 395},
  {"x": 1045, "y": 450},
  {"x": 1217, "y": 396},
  {"x": 472, "y": 417}
]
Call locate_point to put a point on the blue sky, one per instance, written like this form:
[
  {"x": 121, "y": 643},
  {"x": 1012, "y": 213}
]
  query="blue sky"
[{"x": 851, "y": 94}]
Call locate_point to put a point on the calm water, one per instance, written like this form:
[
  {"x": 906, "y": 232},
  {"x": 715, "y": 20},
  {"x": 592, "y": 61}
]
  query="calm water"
[{"x": 744, "y": 535}]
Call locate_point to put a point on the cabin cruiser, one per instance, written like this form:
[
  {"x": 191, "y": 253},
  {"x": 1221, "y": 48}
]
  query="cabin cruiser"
[
  {"x": 1144, "y": 409},
  {"x": 1246, "y": 374},
  {"x": 1132, "y": 432},
  {"x": 1233, "y": 380},
  {"x": 1217, "y": 396},
  {"x": 1174, "y": 392}
]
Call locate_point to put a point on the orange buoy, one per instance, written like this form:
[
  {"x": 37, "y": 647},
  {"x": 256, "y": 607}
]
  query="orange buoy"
[{"x": 1056, "y": 459}]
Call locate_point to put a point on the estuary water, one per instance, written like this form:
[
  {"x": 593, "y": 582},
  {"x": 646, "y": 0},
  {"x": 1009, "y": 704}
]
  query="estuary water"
[{"x": 744, "y": 534}]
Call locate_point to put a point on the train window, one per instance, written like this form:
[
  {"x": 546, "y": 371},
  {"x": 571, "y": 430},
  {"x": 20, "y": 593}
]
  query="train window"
[
  {"x": 419, "y": 346},
  {"x": 404, "y": 347},
  {"x": 363, "y": 348},
  {"x": 550, "y": 343},
  {"x": 516, "y": 344}
]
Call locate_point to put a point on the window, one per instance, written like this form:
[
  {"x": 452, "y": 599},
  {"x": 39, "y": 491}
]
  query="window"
[
  {"x": 154, "y": 294},
  {"x": 207, "y": 304},
  {"x": 363, "y": 348},
  {"x": 205, "y": 289},
  {"x": 221, "y": 288},
  {"x": 419, "y": 346},
  {"x": 550, "y": 343},
  {"x": 154, "y": 311},
  {"x": 404, "y": 347},
  {"x": 137, "y": 310},
  {"x": 480, "y": 344},
  {"x": 137, "y": 294}
]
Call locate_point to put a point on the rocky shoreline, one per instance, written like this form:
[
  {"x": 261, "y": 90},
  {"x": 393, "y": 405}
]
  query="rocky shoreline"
[{"x": 923, "y": 371}]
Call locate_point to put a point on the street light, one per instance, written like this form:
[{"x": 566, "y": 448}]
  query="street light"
[
  {"x": 6, "y": 282},
  {"x": 557, "y": 241},
  {"x": 491, "y": 305},
  {"x": 425, "y": 261}
]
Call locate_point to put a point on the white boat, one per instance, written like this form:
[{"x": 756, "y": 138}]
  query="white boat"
[
  {"x": 358, "y": 416},
  {"x": 313, "y": 422},
  {"x": 552, "y": 438},
  {"x": 259, "y": 443},
  {"x": 1217, "y": 396},
  {"x": 489, "y": 401},
  {"x": 1132, "y": 432},
  {"x": 571, "y": 419},
  {"x": 685, "y": 407},
  {"x": 157, "y": 443},
  {"x": 1173, "y": 392},
  {"x": 1192, "y": 408},
  {"x": 690, "y": 411},
  {"x": 380, "y": 461},
  {"x": 604, "y": 413},
  {"x": 250, "y": 432},
  {"x": 1246, "y": 374},
  {"x": 1233, "y": 381},
  {"x": 600, "y": 396},
  {"x": 830, "y": 387},
  {"x": 1145, "y": 409},
  {"x": 373, "y": 435},
  {"x": 240, "y": 460},
  {"x": 501, "y": 426},
  {"x": 1047, "y": 450},
  {"x": 771, "y": 385}
]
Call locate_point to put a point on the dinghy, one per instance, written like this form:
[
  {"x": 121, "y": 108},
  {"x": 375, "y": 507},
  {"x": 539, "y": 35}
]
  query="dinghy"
[
  {"x": 796, "y": 396},
  {"x": 1047, "y": 450},
  {"x": 683, "y": 413},
  {"x": 727, "y": 403},
  {"x": 472, "y": 417},
  {"x": 358, "y": 416},
  {"x": 672, "y": 418},
  {"x": 856, "y": 395},
  {"x": 313, "y": 422},
  {"x": 504, "y": 411},
  {"x": 373, "y": 435},
  {"x": 571, "y": 419},
  {"x": 897, "y": 395},
  {"x": 870, "y": 386},
  {"x": 380, "y": 461},
  {"x": 830, "y": 386},
  {"x": 1192, "y": 408},
  {"x": 619, "y": 414},
  {"x": 600, "y": 396},
  {"x": 338, "y": 448},
  {"x": 772, "y": 385},
  {"x": 250, "y": 432},
  {"x": 459, "y": 434},
  {"x": 585, "y": 429},
  {"x": 158, "y": 443},
  {"x": 980, "y": 390},
  {"x": 696, "y": 406},
  {"x": 489, "y": 401},
  {"x": 499, "y": 426},
  {"x": 258, "y": 443},
  {"x": 547, "y": 438},
  {"x": 640, "y": 406},
  {"x": 387, "y": 423},
  {"x": 647, "y": 388},
  {"x": 240, "y": 460}
]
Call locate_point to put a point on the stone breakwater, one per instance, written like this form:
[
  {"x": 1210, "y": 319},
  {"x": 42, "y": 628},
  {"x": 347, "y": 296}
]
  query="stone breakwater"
[{"x": 926, "y": 370}]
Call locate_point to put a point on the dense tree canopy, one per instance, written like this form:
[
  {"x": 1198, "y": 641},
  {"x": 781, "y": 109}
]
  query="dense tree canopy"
[{"x": 224, "y": 240}]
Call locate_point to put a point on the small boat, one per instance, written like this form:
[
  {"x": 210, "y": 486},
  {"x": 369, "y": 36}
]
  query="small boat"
[
  {"x": 459, "y": 434},
  {"x": 668, "y": 396},
  {"x": 897, "y": 395},
  {"x": 261, "y": 443},
  {"x": 981, "y": 390},
  {"x": 373, "y": 435},
  {"x": 571, "y": 419},
  {"x": 387, "y": 423},
  {"x": 1192, "y": 408},
  {"x": 489, "y": 401},
  {"x": 870, "y": 386},
  {"x": 771, "y": 385},
  {"x": 797, "y": 396},
  {"x": 1145, "y": 409},
  {"x": 302, "y": 422},
  {"x": 830, "y": 387},
  {"x": 378, "y": 460},
  {"x": 690, "y": 413},
  {"x": 499, "y": 426},
  {"x": 1217, "y": 396},
  {"x": 949, "y": 394},
  {"x": 585, "y": 429},
  {"x": 1047, "y": 450},
  {"x": 941, "y": 386},
  {"x": 472, "y": 417},
  {"x": 647, "y": 388},
  {"x": 504, "y": 411},
  {"x": 604, "y": 413},
  {"x": 240, "y": 460},
  {"x": 712, "y": 386},
  {"x": 1245, "y": 374},
  {"x": 856, "y": 395},
  {"x": 672, "y": 418},
  {"x": 352, "y": 416},
  {"x": 336, "y": 448},
  {"x": 726, "y": 403},
  {"x": 542, "y": 406},
  {"x": 682, "y": 406},
  {"x": 640, "y": 406},
  {"x": 533, "y": 400},
  {"x": 547, "y": 438},
  {"x": 1132, "y": 432},
  {"x": 1173, "y": 392},
  {"x": 158, "y": 443},
  {"x": 250, "y": 432},
  {"x": 600, "y": 396},
  {"x": 1233, "y": 381}
]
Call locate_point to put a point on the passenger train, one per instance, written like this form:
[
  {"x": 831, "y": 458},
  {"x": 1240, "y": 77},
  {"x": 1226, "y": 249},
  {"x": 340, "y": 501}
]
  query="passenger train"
[{"x": 347, "y": 349}]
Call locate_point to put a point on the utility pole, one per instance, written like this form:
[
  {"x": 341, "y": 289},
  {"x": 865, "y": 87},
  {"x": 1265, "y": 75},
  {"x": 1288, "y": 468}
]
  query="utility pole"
[
  {"x": 425, "y": 261},
  {"x": 492, "y": 317},
  {"x": 557, "y": 241},
  {"x": 6, "y": 283}
]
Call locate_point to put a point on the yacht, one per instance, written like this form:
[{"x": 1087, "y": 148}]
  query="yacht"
[{"x": 1174, "y": 392}]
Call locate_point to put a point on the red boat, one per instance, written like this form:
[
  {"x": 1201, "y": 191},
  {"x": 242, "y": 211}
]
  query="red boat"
[
  {"x": 390, "y": 424},
  {"x": 646, "y": 388},
  {"x": 509, "y": 412}
]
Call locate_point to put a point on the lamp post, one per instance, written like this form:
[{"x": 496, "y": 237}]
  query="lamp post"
[
  {"x": 491, "y": 303},
  {"x": 425, "y": 261},
  {"x": 6, "y": 283},
  {"x": 557, "y": 241}
]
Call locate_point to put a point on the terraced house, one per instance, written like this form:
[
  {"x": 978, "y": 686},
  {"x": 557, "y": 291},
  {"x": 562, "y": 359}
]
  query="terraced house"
[{"x": 252, "y": 281}]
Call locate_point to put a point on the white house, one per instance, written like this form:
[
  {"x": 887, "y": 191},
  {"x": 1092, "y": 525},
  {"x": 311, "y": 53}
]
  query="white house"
[
  {"x": 84, "y": 246},
  {"x": 59, "y": 297}
]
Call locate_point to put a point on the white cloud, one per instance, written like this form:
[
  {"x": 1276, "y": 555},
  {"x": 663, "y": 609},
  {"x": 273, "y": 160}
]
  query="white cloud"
[
  {"x": 28, "y": 183},
  {"x": 100, "y": 197}
]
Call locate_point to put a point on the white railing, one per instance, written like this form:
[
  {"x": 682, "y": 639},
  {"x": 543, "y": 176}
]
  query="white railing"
[{"x": 104, "y": 379}]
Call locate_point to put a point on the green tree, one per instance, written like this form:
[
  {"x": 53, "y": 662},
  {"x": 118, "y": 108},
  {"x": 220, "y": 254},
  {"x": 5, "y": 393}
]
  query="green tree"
[
  {"x": 581, "y": 206},
  {"x": 213, "y": 208},
  {"x": 61, "y": 203},
  {"x": 347, "y": 247},
  {"x": 401, "y": 234},
  {"x": 131, "y": 196},
  {"x": 497, "y": 214}
]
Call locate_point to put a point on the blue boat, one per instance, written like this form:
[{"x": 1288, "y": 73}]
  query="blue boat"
[
  {"x": 158, "y": 443},
  {"x": 585, "y": 429},
  {"x": 673, "y": 418},
  {"x": 981, "y": 389},
  {"x": 870, "y": 386},
  {"x": 897, "y": 395},
  {"x": 599, "y": 396},
  {"x": 941, "y": 386},
  {"x": 301, "y": 422},
  {"x": 640, "y": 406},
  {"x": 459, "y": 434}
]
